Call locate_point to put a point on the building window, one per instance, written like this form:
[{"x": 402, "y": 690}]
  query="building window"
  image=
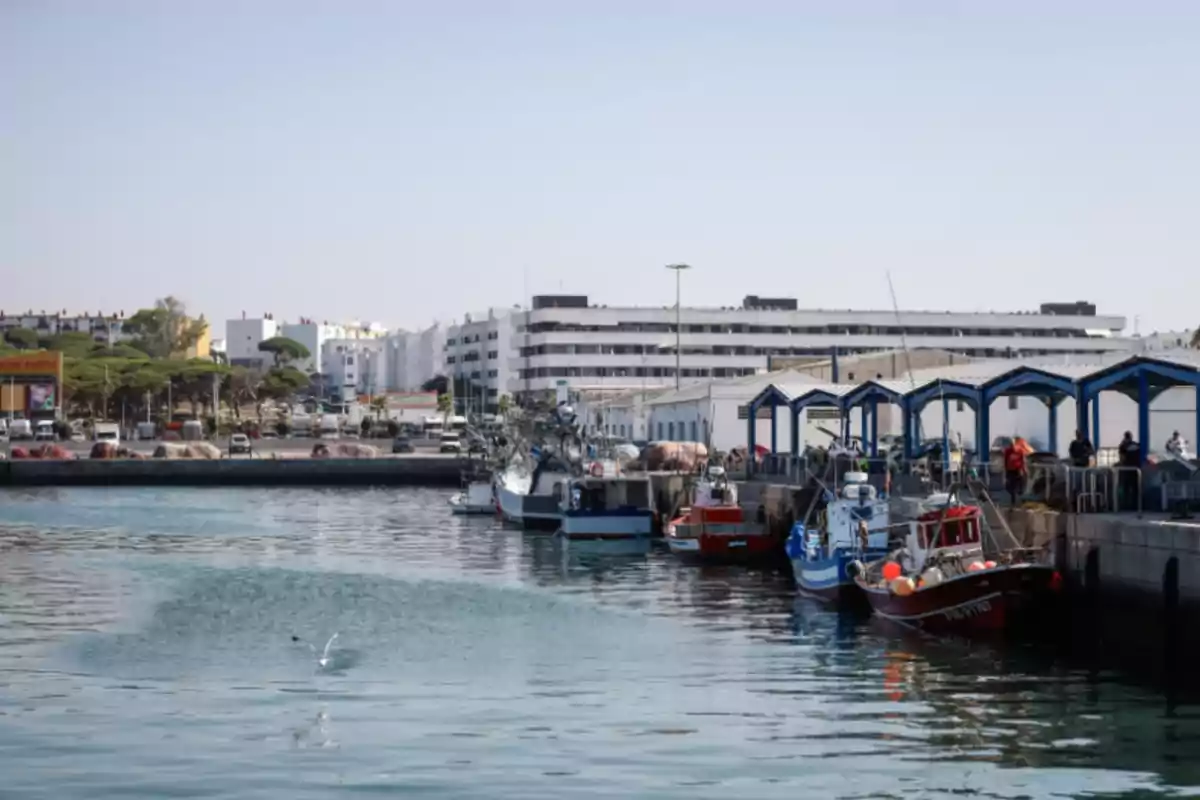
[
  {"x": 670, "y": 431},
  {"x": 493, "y": 354},
  {"x": 660, "y": 436},
  {"x": 1012, "y": 402},
  {"x": 958, "y": 406},
  {"x": 694, "y": 439},
  {"x": 349, "y": 361}
]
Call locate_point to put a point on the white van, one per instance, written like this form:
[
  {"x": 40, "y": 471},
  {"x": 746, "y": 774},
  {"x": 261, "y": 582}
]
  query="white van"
[
  {"x": 44, "y": 432},
  {"x": 106, "y": 432}
]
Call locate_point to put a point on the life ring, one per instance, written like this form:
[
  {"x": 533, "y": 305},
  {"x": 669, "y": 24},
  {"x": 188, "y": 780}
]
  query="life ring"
[{"x": 597, "y": 470}]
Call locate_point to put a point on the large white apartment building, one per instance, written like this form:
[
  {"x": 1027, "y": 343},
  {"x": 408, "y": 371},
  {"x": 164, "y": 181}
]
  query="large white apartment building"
[
  {"x": 480, "y": 350},
  {"x": 312, "y": 335},
  {"x": 414, "y": 357},
  {"x": 602, "y": 348}
]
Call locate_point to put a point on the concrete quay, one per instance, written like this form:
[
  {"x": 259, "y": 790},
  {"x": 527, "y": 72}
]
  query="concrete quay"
[{"x": 398, "y": 470}]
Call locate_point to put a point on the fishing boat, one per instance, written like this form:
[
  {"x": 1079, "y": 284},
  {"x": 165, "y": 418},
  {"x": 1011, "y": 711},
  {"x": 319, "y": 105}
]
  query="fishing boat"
[
  {"x": 853, "y": 526},
  {"x": 606, "y": 508},
  {"x": 476, "y": 498},
  {"x": 940, "y": 581},
  {"x": 714, "y": 527},
  {"x": 533, "y": 500}
]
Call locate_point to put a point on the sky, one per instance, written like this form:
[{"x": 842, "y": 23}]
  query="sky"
[{"x": 408, "y": 162}]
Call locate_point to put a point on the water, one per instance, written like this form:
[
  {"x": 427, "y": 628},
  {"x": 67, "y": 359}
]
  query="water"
[{"x": 145, "y": 651}]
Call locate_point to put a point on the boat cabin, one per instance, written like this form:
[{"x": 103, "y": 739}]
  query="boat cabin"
[
  {"x": 951, "y": 530},
  {"x": 856, "y": 505},
  {"x": 714, "y": 489},
  {"x": 606, "y": 495}
]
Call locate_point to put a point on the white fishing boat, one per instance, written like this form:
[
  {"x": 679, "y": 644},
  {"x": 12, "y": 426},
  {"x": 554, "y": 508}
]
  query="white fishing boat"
[
  {"x": 606, "y": 508},
  {"x": 532, "y": 500},
  {"x": 478, "y": 497}
]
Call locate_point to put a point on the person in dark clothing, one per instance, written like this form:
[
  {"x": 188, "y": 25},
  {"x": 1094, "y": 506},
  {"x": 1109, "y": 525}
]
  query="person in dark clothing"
[
  {"x": 1081, "y": 455},
  {"x": 1129, "y": 458},
  {"x": 1081, "y": 451}
]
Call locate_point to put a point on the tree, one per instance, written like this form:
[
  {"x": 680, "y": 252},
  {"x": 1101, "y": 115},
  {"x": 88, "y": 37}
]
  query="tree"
[
  {"x": 165, "y": 330},
  {"x": 438, "y": 383},
  {"x": 445, "y": 406},
  {"x": 1195, "y": 344},
  {"x": 22, "y": 338},
  {"x": 284, "y": 350},
  {"x": 379, "y": 405},
  {"x": 503, "y": 404}
]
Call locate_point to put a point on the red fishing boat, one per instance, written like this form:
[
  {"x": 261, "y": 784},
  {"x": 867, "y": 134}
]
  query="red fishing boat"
[
  {"x": 715, "y": 528},
  {"x": 941, "y": 582}
]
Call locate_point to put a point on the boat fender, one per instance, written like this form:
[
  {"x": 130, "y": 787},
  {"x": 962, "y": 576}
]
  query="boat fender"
[
  {"x": 597, "y": 470},
  {"x": 854, "y": 569},
  {"x": 902, "y": 586}
]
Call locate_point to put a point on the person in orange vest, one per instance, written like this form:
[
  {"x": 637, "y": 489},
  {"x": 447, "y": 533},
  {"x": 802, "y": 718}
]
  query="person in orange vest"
[{"x": 1015, "y": 469}]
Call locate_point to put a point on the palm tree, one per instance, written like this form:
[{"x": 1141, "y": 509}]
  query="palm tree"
[
  {"x": 503, "y": 404},
  {"x": 379, "y": 405},
  {"x": 445, "y": 406}
]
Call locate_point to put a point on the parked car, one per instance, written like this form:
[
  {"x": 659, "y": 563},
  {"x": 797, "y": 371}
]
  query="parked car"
[
  {"x": 402, "y": 444},
  {"x": 450, "y": 443},
  {"x": 239, "y": 443}
]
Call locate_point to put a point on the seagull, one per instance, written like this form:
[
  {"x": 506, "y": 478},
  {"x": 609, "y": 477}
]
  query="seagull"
[{"x": 323, "y": 659}]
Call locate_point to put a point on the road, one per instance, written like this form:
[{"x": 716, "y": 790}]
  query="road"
[{"x": 263, "y": 448}]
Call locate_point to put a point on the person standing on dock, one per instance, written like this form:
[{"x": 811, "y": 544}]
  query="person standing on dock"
[
  {"x": 1015, "y": 469},
  {"x": 1082, "y": 454},
  {"x": 1129, "y": 458}
]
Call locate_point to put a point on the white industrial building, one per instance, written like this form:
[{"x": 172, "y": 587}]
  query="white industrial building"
[
  {"x": 479, "y": 350},
  {"x": 717, "y": 411}
]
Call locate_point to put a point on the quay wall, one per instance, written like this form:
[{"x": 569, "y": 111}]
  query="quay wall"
[{"x": 393, "y": 471}]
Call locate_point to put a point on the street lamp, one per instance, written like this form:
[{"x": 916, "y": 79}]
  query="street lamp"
[{"x": 679, "y": 268}]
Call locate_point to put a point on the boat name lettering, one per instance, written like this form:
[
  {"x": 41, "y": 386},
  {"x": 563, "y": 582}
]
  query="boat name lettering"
[{"x": 976, "y": 609}]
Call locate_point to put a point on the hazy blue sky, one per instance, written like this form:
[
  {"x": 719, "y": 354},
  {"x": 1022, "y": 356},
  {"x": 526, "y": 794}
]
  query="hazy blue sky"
[{"x": 408, "y": 162}]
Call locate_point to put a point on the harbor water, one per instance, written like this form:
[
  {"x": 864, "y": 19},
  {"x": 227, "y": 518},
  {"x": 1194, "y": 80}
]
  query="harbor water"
[{"x": 172, "y": 643}]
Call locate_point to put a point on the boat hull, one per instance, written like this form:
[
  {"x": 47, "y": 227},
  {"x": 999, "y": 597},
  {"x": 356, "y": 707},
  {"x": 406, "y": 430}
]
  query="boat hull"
[
  {"x": 988, "y": 602},
  {"x": 827, "y": 578},
  {"x": 752, "y": 544},
  {"x": 525, "y": 510},
  {"x": 610, "y": 526}
]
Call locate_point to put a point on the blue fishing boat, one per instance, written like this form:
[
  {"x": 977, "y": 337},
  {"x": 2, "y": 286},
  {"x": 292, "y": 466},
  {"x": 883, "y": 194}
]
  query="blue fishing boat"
[{"x": 853, "y": 526}]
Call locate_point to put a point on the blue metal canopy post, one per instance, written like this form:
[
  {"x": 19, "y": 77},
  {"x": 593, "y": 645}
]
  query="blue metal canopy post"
[
  {"x": 1081, "y": 417},
  {"x": 774, "y": 428},
  {"x": 945, "y": 435},
  {"x": 796, "y": 412},
  {"x": 862, "y": 419},
  {"x": 1143, "y": 402},
  {"x": 874, "y": 427},
  {"x": 1053, "y": 424},
  {"x": 751, "y": 436},
  {"x": 1095, "y": 404}
]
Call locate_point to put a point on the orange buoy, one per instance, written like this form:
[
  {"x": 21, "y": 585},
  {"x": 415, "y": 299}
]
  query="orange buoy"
[
  {"x": 975, "y": 566},
  {"x": 989, "y": 565},
  {"x": 891, "y": 571}
]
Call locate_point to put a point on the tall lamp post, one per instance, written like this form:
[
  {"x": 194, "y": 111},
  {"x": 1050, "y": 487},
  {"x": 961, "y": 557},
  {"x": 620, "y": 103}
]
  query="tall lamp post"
[{"x": 678, "y": 268}]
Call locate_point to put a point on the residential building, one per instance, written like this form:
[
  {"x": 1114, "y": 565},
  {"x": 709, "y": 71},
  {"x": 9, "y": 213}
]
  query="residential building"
[
  {"x": 354, "y": 366},
  {"x": 312, "y": 335},
  {"x": 414, "y": 357},
  {"x": 103, "y": 327},
  {"x": 479, "y": 352},
  {"x": 565, "y": 338},
  {"x": 242, "y": 338}
]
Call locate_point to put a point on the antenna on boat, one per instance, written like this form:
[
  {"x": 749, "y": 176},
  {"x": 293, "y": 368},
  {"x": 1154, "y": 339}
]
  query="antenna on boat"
[{"x": 907, "y": 359}]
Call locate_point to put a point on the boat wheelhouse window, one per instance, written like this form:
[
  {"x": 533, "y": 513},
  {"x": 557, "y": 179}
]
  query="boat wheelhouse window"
[{"x": 953, "y": 532}]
